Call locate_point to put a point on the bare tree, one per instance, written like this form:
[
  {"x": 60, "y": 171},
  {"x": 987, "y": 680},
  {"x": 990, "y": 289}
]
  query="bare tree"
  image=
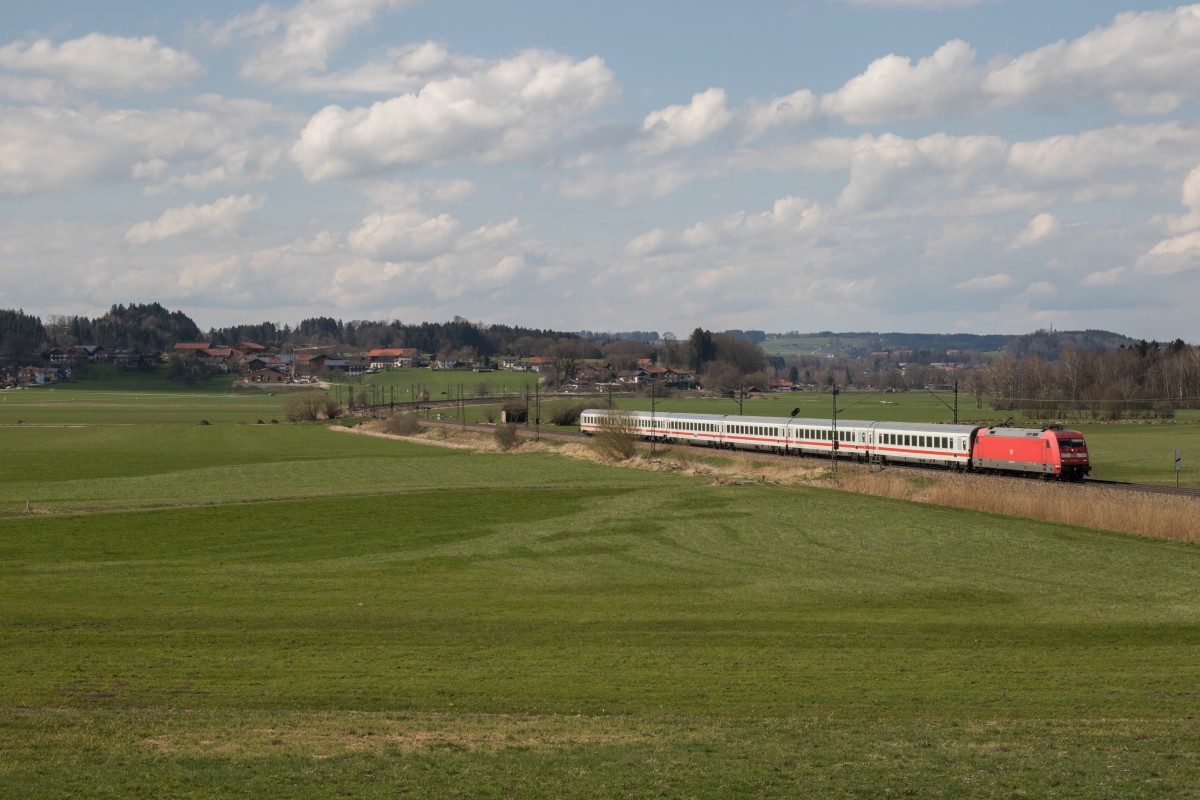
[{"x": 616, "y": 438}]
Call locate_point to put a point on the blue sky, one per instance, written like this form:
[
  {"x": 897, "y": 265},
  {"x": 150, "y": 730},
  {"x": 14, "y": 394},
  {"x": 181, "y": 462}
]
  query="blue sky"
[{"x": 990, "y": 166}]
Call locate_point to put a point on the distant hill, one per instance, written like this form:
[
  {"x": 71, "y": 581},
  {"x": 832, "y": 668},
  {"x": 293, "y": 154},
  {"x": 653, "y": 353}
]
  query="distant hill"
[{"x": 1047, "y": 344}]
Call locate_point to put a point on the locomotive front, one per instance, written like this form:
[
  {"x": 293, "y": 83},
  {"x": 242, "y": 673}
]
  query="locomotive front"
[{"x": 1072, "y": 454}]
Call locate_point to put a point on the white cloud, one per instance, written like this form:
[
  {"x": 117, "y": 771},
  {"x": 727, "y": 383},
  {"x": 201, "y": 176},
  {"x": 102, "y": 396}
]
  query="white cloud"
[
  {"x": 986, "y": 282},
  {"x": 842, "y": 289},
  {"x": 45, "y": 148},
  {"x": 885, "y": 166},
  {"x": 893, "y": 88},
  {"x": 490, "y": 235},
  {"x": 1108, "y": 277},
  {"x": 406, "y": 69},
  {"x": 298, "y": 40},
  {"x": 232, "y": 164},
  {"x": 685, "y": 126},
  {"x": 647, "y": 244},
  {"x": 789, "y": 217},
  {"x": 220, "y": 217},
  {"x": 625, "y": 188},
  {"x": 414, "y": 194},
  {"x": 796, "y": 108},
  {"x": 1086, "y": 156},
  {"x": 31, "y": 90},
  {"x": 508, "y": 268},
  {"x": 97, "y": 61},
  {"x": 1043, "y": 226},
  {"x": 513, "y": 109},
  {"x": 1172, "y": 256},
  {"x": 1143, "y": 63},
  {"x": 404, "y": 236},
  {"x": 1190, "y": 198}
]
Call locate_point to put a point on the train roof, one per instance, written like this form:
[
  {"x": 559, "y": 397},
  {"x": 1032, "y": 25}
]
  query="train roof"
[
  {"x": 926, "y": 427},
  {"x": 812, "y": 422},
  {"x": 1031, "y": 433}
]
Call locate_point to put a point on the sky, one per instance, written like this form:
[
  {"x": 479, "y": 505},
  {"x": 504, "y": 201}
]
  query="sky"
[{"x": 981, "y": 166}]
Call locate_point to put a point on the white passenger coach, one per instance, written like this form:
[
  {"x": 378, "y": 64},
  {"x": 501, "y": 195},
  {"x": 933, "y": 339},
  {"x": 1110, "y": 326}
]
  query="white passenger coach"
[{"x": 863, "y": 440}]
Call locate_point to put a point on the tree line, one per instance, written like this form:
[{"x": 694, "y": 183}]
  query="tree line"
[{"x": 1146, "y": 379}]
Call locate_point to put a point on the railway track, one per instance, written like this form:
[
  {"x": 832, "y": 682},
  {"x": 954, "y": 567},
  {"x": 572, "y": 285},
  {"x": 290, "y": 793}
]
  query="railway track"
[{"x": 1180, "y": 491}]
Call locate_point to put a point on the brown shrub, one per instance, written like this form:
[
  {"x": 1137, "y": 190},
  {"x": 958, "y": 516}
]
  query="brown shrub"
[
  {"x": 304, "y": 407},
  {"x": 506, "y": 437},
  {"x": 406, "y": 424}
]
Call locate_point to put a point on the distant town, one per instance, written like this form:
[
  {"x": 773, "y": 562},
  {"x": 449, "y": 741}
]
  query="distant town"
[{"x": 1099, "y": 373}]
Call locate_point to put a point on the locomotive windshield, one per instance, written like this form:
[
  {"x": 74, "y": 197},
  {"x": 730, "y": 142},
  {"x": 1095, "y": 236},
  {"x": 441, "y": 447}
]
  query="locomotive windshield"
[{"x": 1078, "y": 443}]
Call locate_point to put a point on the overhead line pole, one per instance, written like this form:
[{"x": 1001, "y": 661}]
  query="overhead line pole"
[{"x": 834, "y": 452}]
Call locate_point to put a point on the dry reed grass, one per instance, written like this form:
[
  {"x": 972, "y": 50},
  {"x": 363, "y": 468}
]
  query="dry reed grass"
[{"x": 1138, "y": 513}]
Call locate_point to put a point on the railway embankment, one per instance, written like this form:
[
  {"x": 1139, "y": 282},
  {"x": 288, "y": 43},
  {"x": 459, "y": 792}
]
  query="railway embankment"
[{"x": 1100, "y": 507}]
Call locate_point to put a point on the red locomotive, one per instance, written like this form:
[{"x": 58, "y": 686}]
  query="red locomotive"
[{"x": 1052, "y": 452}]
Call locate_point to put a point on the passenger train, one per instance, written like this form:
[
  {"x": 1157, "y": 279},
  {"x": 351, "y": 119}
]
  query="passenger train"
[{"x": 1052, "y": 452}]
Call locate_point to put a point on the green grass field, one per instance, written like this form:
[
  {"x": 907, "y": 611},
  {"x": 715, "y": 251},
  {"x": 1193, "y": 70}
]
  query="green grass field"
[
  {"x": 405, "y": 385},
  {"x": 811, "y": 345},
  {"x": 291, "y": 611}
]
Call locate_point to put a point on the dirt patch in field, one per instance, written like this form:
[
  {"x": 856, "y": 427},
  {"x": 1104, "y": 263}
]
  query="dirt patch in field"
[{"x": 329, "y": 736}]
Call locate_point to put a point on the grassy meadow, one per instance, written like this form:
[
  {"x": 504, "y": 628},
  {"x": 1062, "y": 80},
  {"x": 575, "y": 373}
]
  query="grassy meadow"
[{"x": 294, "y": 611}]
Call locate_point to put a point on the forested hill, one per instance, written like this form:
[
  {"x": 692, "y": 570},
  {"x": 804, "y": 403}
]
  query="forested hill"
[
  {"x": 150, "y": 326},
  {"x": 1048, "y": 344},
  {"x": 1044, "y": 343}
]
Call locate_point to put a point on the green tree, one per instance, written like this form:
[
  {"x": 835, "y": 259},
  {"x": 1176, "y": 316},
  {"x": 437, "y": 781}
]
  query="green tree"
[{"x": 703, "y": 348}]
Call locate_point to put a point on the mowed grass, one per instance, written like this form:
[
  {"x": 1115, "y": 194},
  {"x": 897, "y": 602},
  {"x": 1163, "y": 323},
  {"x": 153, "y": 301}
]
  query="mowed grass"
[
  {"x": 114, "y": 467},
  {"x": 404, "y": 384},
  {"x": 83, "y": 404},
  {"x": 1145, "y": 453},
  {"x": 439, "y": 622}
]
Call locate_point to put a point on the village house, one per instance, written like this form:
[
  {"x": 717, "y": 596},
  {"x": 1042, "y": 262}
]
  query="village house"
[
  {"x": 348, "y": 367},
  {"x": 77, "y": 354},
  {"x": 40, "y": 376},
  {"x": 531, "y": 364},
  {"x": 267, "y": 375},
  {"x": 392, "y": 357}
]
